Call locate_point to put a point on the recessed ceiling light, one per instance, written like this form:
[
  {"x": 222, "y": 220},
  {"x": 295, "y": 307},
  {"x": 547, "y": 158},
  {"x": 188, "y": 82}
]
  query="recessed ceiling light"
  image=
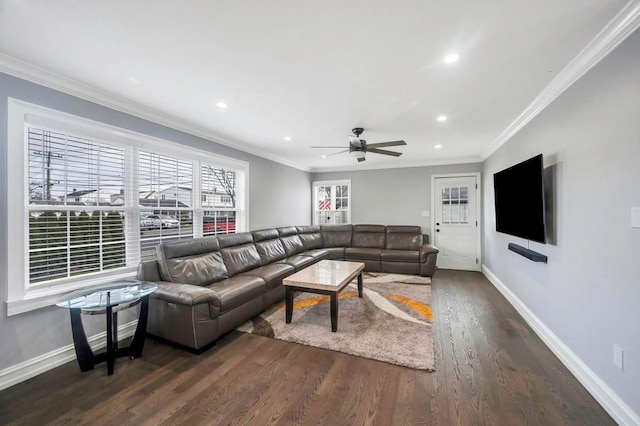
[
  {"x": 442, "y": 118},
  {"x": 437, "y": 146},
  {"x": 221, "y": 105},
  {"x": 287, "y": 138},
  {"x": 451, "y": 58},
  {"x": 324, "y": 156}
]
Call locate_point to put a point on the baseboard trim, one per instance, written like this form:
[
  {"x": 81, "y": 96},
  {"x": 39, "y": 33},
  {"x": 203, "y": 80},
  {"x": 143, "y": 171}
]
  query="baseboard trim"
[
  {"x": 32, "y": 367},
  {"x": 606, "y": 397}
]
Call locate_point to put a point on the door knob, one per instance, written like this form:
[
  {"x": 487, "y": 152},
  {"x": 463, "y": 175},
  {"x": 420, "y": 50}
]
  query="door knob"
[
  {"x": 437, "y": 230},
  {"x": 437, "y": 224}
]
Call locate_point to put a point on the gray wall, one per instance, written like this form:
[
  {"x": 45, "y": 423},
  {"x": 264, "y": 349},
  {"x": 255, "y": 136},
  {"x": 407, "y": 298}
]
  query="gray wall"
[
  {"x": 31, "y": 334},
  {"x": 589, "y": 292},
  {"x": 394, "y": 196}
]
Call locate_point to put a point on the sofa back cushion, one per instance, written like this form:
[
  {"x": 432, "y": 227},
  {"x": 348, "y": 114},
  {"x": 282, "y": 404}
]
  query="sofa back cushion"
[
  {"x": 231, "y": 240},
  {"x": 287, "y": 231},
  {"x": 292, "y": 244},
  {"x": 336, "y": 235},
  {"x": 264, "y": 234},
  {"x": 241, "y": 258},
  {"x": 311, "y": 237},
  {"x": 404, "y": 237},
  {"x": 368, "y": 236},
  {"x": 196, "y": 261},
  {"x": 271, "y": 251}
]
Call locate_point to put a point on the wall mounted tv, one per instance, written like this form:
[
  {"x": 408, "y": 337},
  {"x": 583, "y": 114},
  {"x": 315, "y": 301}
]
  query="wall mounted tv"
[{"x": 519, "y": 199}]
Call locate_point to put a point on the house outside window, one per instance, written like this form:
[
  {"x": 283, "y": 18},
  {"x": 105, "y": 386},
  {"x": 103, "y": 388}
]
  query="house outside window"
[
  {"x": 95, "y": 201},
  {"x": 332, "y": 202}
]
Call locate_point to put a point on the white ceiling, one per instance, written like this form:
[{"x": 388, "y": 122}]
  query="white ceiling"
[{"x": 312, "y": 70}]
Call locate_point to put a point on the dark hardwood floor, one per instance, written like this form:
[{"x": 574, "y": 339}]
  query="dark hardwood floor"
[{"x": 490, "y": 369}]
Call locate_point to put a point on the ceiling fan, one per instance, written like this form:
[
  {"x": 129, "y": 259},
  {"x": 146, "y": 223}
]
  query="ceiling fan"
[{"x": 358, "y": 148}]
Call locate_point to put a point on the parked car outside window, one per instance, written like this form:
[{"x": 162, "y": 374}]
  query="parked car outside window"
[
  {"x": 145, "y": 222},
  {"x": 163, "y": 221}
]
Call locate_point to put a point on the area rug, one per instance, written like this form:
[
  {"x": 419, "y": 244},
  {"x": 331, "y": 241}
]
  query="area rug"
[{"x": 391, "y": 323}]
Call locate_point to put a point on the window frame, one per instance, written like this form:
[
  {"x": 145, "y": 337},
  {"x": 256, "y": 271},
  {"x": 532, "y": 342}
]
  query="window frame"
[
  {"x": 23, "y": 297},
  {"x": 314, "y": 197}
]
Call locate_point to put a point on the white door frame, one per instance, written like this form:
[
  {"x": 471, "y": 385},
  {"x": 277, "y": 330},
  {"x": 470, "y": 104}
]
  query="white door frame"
[{"x": 478, "y": 176}]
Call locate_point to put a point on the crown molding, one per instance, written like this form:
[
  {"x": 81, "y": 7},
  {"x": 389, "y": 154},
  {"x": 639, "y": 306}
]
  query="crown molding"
[
  {"x": 359, "y": 167},
  {"x": 27, "y": 71},
  {"x": 615, "y": 32}
]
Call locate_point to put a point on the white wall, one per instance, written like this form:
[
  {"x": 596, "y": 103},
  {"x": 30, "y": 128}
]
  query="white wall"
[
  {"x": 394, "y": 196},
  {"x": 589, "y": 292}
]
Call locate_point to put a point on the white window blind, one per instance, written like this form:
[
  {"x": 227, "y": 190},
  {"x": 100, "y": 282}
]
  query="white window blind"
[
  {"x": 223, "y": 209},
  {"x": 73, "y": 228},
  {"x": 166, "y": 197}
]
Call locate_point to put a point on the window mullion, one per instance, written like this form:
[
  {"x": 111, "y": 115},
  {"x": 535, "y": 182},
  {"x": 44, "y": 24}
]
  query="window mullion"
[
  {"x": 198, "y": 211},
  {"x": 132, "y": 206}
]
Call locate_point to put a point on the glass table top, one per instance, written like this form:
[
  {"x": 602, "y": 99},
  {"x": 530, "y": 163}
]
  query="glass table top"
[{"x": 110, "y": 294}]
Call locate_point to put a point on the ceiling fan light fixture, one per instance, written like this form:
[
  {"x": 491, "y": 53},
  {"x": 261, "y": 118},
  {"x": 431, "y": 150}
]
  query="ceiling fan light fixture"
[{"x": 357, "y": 154}]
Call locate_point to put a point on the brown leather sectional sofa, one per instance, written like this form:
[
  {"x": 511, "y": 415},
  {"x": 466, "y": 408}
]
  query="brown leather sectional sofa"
[{"x": 209, "y": 286}]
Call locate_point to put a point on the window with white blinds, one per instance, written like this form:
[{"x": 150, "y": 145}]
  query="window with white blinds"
[
  {"x": 166, "y": 200},
  {"x": 332, "y": 202},
  {"x": 223, "y": 199},
  {"x": 98, "y": 200},
  {"x": 73, "y": 228}
]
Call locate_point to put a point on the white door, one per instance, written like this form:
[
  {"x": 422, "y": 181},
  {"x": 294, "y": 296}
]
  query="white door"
[{"x": 456, "y": 232}]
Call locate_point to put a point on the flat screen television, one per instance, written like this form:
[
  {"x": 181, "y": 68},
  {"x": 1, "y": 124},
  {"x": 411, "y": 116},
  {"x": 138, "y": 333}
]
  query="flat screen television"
[{"x": 519, "y": 199}]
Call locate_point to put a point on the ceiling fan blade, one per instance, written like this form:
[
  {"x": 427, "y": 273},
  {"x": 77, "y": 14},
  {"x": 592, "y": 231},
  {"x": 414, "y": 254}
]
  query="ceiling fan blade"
[
  {"x": 360, "y": 160},
  {"x": 383, "y": 151},
  {"x": 383, "y": 144},
  {"x": 328, "y": 146},
  {"x": 336, "y": 153}
]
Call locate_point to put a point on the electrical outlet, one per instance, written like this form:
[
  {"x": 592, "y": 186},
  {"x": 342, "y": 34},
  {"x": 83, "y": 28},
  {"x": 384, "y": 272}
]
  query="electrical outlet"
[{"x": 618, "y": 357}]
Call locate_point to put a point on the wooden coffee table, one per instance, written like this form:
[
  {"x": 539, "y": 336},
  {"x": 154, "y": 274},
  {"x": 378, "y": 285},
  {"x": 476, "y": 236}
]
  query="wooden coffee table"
[{"x": 327, "y": 277}]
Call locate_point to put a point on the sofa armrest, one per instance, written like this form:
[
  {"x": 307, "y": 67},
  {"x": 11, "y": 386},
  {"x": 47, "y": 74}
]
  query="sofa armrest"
[
  {"x": 426, "y": 250},
  {"x": 185, "y": 294}
]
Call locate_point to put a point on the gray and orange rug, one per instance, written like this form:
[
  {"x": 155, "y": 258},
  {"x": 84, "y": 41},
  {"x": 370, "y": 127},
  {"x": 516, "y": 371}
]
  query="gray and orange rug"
[{"x": 391, "y": 323}]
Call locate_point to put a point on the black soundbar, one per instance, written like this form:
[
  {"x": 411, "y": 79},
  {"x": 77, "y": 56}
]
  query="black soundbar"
[{"x": 529, "y": 254}]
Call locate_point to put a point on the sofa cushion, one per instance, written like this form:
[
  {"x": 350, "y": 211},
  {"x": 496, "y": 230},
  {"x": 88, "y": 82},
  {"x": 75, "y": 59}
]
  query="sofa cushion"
[
  {"x": 270, "y": 250},
  {"x": 400, "y": 256},
  {"x": 317, "y": 254},
  {"x": 335, "y": 253},
  {"x": 336, "y": 235},
  {"x": 172, "y": 249},
  {"x": 404, "y": 237},
  {"x": 203, "y": 269},
  {"x": 238, "y": 259},
  {"x": 311, "y": 237},
  {"x": 292, "y": 245},
  {"x": 370, "y": 228},
  {"x": 272, "y": 274},
  {"x": 311, "y": 229},
  {"x": 196, "y": 262},
  {"x": 238, "y": 290},
  {"x": 287, "y": 231},
  {"x": 372, "y": 236},
  {"x": 264, "y": 234},
  {"x": 298, "y": 261},
  {"x": 231, "y": 240},
  {"x": 361, "y": 253}
]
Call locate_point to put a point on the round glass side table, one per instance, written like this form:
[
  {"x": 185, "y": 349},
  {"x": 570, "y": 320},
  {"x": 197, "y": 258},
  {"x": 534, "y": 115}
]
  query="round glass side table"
[{"x": 108, "y": 299}]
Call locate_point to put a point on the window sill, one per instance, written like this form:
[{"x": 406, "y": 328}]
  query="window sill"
[{"x": 42, "y": 298}]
